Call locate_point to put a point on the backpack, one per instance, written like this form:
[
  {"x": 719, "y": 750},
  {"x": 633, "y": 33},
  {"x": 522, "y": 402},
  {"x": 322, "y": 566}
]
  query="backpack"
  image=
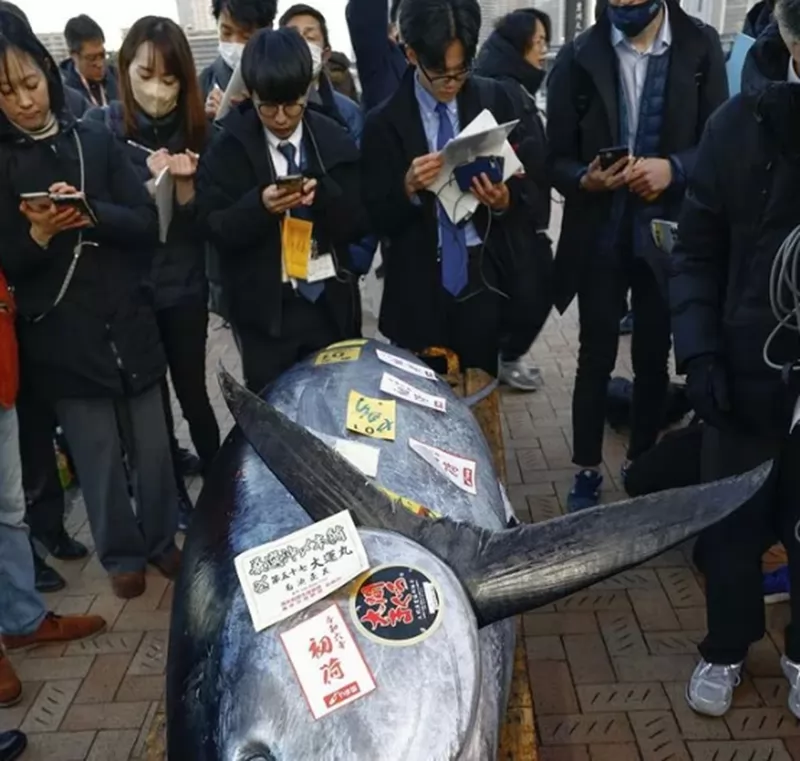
[{"x": 9, "y": 356}]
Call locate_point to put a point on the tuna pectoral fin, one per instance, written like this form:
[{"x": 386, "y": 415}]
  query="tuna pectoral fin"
[{"x": 524, "y": 568}]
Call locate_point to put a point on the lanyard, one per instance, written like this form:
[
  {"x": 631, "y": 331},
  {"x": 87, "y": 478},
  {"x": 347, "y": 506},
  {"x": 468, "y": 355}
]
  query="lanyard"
[{"x": 88, "y": 89}]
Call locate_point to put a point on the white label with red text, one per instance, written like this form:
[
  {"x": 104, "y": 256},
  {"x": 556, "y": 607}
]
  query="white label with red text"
[
  {"x": 393, "y": 386},
  {"x": 459, "y": 470},
  {"x": 404, "y": 364},
  {"x": 283, "y": 577},
  {"x": 327, "y": 662}
]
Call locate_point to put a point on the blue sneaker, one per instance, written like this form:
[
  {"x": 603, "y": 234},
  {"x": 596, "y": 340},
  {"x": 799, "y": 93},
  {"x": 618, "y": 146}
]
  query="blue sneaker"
[
  {"x": 626, "y": 325},
  {"x": 586, "y": 491},
  {"x": 776, "y": 585}
]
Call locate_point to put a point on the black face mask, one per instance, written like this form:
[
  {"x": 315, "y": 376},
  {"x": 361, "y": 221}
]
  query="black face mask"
[{"x": 632, "y": 20}]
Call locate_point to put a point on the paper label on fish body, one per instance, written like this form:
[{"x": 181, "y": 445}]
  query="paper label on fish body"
[
  {"x": 404, "y": 364},
  {"x": 371, "y": 417},
  {"x": 395, "y": 387},
  {"x": 361, "y": 456},
  {"x": 459, "y": 470},
  {"x": 332, "y": 356},
  {"x": 327, "y": 662},
  {"x": 283, "y": 577},
  {"x": 410, "y": 504}
]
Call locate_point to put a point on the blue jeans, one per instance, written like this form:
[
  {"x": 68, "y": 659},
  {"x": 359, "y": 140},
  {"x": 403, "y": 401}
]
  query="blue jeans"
[{"x": 21, "y": 608}]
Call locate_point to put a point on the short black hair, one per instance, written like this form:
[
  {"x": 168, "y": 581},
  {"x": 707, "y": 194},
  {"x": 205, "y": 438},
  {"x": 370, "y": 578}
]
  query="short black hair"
[
  {"x": 11, "y": 8},
  {"x": 518, "y": 27},
  {"x": 16, "y": 34},
  {"x": 394, "y": 10},
  {"x": 277, "y": 66},
  {"x": 82, "y": 29},
  {"x": 306, "y": 10},
  {"x": 788, "y": 12},
  {"x": 251, "y": 14},
  {"x": 428, "y": 27}
]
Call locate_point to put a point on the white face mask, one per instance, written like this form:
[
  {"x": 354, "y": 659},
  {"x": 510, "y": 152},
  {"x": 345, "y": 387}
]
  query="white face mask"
[
  {"x": 316, "y": 57},
  {"x": 231, "y": 53},
  {"x": 154, "y": 96}
]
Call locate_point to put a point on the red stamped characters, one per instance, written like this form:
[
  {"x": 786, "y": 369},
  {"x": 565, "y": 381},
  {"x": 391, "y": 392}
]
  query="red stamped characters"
[{"x": 383, "y": 612}]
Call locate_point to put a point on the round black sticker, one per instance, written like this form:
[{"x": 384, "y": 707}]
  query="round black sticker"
[{"x": 397, "y": 605}]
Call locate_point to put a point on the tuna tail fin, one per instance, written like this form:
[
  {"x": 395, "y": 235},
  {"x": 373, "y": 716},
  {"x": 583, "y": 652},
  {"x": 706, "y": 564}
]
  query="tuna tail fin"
[{"x": 505, "y": 572}]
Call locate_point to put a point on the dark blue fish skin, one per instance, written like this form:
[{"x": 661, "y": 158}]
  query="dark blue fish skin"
[{"x": 231, "y": 694}]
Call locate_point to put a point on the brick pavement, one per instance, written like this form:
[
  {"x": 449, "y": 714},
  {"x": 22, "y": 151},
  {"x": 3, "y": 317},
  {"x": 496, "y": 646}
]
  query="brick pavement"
[{"x": 608, "y": 666}]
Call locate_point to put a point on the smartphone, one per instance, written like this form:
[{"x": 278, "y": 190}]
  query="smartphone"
[
  {"x": 610, "y": 156},
  {"x": 39, "y": 201},
  {"x": 75, "y": 201},
  {"x": 292, "y": 182},
  {"x": 491, "y": 166}
]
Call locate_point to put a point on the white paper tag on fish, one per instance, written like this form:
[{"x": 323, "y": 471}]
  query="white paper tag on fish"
[
  {"x": 328, "y": 662},
  {"x": 395, "y": 387},
  {"x": 283, "y": 577},
  {"x": 459, "y": 470},
  {"x": 404, "y": 364},
  {"x": 361, "y": 456}
]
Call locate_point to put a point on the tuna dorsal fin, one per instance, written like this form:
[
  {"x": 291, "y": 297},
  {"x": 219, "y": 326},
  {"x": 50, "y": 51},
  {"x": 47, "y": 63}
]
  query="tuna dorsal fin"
[{"x": 504, "y": 572}]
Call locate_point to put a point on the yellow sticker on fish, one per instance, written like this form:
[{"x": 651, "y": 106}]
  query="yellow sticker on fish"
[
  {"x": 348, "y": 343},
  {"x": 371, "y": 417},
  {"x": 331, "y": 356},
  {"x": 409, "y": 504}
]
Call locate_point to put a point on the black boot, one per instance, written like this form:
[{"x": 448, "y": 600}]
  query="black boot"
[
  {"x": 48, "y": 580},
  {"x": 185, "y": 510},
  {"x": 12, "y": 745},
  {"x": 67, "y": 548},
  {"x": 188, "y": 463}
]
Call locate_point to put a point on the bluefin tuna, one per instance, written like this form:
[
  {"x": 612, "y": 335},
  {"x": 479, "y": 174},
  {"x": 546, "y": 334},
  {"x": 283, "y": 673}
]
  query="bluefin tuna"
[{"x": 434, "y": 516}]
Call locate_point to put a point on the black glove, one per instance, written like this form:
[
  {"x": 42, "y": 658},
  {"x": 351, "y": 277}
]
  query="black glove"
[{"x": 707, "y": 389}]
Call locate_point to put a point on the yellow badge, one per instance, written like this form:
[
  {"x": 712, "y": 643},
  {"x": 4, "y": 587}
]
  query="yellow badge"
[
  {"x": 296, "y": 240},
  {"x": 331, "y": 356},
  {"x": 409, "y": 504},
  {"x": 371, "y": 417}
]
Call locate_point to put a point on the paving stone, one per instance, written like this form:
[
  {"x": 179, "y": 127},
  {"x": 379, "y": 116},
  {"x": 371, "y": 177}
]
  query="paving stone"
[
  {"x": 681, "y": 587},
  {"x": 47, "y": 651},
  {"x": 536, "y": 624},
  {"x": 58, "y": 746},
  {"x": 109, "y": 643},
  {"x": 638, "y": 578},
  {"x": 763, "y": 659},
  {"x": 552, "y": 688},
  {"x": 626, "y": 752},
  {"x": 692, "y": 725},
  {"x": 166, "y": 600},
  {"x": 746, "y": 695},
  {"x": 590, "y": 600},
  {"x": 103, "y": 680},
  {"x": 543, "y": 507},
  {"x": 73, "y": 605},
  {"x": 545, "y": 648},
  {"x": 156, "y": 586},
  {"x": 113, "y": 745},
  {"x": 54, "y": 669},
  {"x": 674, "y": 643},
  {"x": 530, "y": 459},
  {"x": 673, "y": 558},
  {"x": 588, "y": 659},
  {"x": 106, "y": 716},
  {"x": 654, "y": 668},
  {"x": 12, "y": 717},
  {"x": 773, "y": 691},
  {"x": 134, "y": 689},
  {"x": 600, "y": 698},
  {"x": 653, "y": 609},
  {"x": 107, "y": 606},
  {"x": 50, "y": 706},
  {"x": 151, "y": 658},
  {"x": 577, "y": 729},
  {"x": 564, "y": 753},
  {"x": 141, "y": 740},
  {"x": 658, "y": 736},
  {"x": 753, "y": 750},
  {"x": 136, "y": 621},
  {"x": 621, "y": 633},
  {"x": 692, "y": 619},
  {"x": 752, "y": 723}
]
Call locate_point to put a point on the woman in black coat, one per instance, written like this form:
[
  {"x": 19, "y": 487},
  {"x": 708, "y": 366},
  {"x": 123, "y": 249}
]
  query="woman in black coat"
[
  {"x": 161, "y": 124},
  {"x": 87, "y": 330}
]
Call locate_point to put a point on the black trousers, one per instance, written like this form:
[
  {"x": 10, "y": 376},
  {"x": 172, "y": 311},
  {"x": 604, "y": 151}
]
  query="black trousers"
[
  {"x": 599, "y": 298},
  {"x": 731, "y": 551},
  {"x": 306, "y": 327},
  {"x": 43, "y": 492},
  {"x": 184, "y": 331}
]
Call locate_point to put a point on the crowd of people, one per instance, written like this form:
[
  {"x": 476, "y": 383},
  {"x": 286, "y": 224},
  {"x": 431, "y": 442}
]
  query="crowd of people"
[{"x": 281, "y": 193}]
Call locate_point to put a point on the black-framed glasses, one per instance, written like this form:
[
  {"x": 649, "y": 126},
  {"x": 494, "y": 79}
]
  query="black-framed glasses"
[
  {"x": 440, "y": 79},
  {"x": 290, "y": 110}
]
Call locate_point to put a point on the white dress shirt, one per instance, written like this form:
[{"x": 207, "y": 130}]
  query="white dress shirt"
[{"x": 278, "y": 159}]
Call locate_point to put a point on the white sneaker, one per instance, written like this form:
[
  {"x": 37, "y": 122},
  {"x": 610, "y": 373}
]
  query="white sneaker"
[
  {"x": 791, "y": 671},
  {"x": 520, "y": 375},
  {"x": 710, "y": 690}
]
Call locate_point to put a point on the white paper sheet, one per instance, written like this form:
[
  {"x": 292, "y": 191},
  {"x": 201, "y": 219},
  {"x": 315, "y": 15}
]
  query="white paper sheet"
[
  {"x": 235, "y": 89},
  {"x": 481, "y": 137},
  {"x": 165, "y": 202}
]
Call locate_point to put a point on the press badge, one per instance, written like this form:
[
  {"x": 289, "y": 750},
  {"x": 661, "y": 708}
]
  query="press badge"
[{"x": 300, "y": 255}]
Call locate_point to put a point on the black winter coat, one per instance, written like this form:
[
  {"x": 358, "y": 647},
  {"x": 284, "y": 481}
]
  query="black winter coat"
[
  {"x": 412, "y": 308},
  {"x": 73, "y": 80},
  {"x": 216, "y": 73},
  {"x": 583, "y": 118},
  {"x": 178, "y": 272},
  {"x": 740, "y": 206},
  {"x": 102, "y": 340},
  {"x": 231, "y": 178}
]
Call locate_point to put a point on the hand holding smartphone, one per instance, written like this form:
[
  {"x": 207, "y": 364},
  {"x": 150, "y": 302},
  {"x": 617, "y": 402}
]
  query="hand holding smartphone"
[{"x": 292, "y": 183}]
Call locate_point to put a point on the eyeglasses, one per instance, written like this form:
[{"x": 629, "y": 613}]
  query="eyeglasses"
[
  {"x": 94, "y": 57},
  {"x": 290, "y": 110},
  {"x": 440, "y": 79}
]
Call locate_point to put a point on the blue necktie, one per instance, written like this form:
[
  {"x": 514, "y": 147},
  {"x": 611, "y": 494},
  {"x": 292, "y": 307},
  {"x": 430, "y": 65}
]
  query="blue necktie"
[
  {"x": 453, "y": 238},
  {"x": 310, "y": 291}
]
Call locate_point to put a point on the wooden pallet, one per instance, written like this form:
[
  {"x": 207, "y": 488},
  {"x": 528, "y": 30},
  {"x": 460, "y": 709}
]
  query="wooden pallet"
[{"x": 518, "y": 733}]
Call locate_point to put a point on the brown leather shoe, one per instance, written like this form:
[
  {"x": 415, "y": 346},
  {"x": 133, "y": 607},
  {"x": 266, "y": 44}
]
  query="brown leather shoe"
[
  {"x": 10, "y": 686},
  {"x": 169, "y": 564},
  {"x": 57, "y": 629},
  {"x": 128, "y": 585}
]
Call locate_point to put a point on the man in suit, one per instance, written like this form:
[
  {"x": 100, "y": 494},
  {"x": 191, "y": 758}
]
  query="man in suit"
[
  {"x": 645, "y": 77},
  {"x": 445, "y": 283}
]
